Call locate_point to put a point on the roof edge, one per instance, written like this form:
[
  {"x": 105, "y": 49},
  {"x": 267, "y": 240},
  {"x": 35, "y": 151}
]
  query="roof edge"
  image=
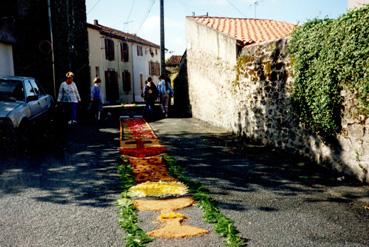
[{"x": 121, "y": 34}]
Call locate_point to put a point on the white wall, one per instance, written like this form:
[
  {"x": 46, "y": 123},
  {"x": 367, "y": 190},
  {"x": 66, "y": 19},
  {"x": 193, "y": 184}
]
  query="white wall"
[
  {"x": 97, "y": 58},
  {"x": 211, "y": 58},
  {"x": 6, "y": 59},
  {"x": 202, "y": 38},
  {"x": 356, "y": 3},
  {"x": 141, "y": 66},
  {"x": 136, "y": 65}
]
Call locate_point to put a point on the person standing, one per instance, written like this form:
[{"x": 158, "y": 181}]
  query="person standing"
[
  {"x": 69, "y": 97},
  {"x": 165, "y": 92},
  {"x": 150, "y": 96},
  {"x": 96, "y": 99}
]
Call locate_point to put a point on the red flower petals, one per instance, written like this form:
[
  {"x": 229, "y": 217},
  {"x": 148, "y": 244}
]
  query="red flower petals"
[{"x": 142, "y": 152}]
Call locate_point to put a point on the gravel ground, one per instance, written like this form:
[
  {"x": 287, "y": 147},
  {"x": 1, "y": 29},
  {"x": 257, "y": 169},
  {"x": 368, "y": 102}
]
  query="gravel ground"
[
  {"x": 274, "y": 198},
  {"x": 64, "y": 197}
]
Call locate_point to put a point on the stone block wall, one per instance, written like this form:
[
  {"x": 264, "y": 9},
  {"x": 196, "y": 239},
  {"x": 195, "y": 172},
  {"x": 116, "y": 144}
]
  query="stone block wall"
[{"x": 253, "y": 99}]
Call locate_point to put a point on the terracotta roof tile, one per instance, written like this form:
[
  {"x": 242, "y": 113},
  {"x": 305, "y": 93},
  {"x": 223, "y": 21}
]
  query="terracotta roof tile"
[
  {"x": 174, "y": 60},
  {"x": 247, "y": 30},
  {"x": 122, "y": 35}
]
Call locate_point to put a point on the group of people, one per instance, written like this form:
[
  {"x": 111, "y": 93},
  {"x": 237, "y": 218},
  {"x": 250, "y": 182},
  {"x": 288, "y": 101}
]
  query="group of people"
[
  {"x": 151, "y": 93},
  {"x": 68, "y": 97}
]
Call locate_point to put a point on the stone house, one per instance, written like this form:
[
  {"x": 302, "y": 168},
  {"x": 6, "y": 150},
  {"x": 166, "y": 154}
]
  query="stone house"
[
  {"x": 241, "y": 79},
  {"x": 123, "y": 61}
]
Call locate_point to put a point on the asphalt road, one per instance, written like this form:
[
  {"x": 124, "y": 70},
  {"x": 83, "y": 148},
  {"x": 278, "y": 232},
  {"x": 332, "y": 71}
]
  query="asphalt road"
[
  {"x": 65, "y": 197},
  {"x": 274, "y": 198}
]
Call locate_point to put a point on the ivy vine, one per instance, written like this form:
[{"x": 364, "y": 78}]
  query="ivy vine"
[{"x": 329, "y": 55}]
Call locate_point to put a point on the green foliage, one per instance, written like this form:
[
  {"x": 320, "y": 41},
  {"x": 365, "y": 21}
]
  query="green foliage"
[
  {"x": 126, "y": 174},
  {"x": 128, "y": 220},
  {"x": 328, "y": 55},
  {"x": 222, "y": 225}
]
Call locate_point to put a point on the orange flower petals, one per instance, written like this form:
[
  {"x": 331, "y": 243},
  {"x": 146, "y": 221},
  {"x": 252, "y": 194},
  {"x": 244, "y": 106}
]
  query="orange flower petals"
[
  {"x": 164, "y": 205},
  {"x": 152, "y": 169}
]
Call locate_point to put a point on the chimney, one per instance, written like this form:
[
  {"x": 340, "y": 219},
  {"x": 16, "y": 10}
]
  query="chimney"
[{"x": 96, "y": 22}]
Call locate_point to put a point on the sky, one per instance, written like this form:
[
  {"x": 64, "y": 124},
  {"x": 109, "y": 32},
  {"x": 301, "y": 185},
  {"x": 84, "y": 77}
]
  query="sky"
[{"x": 142, "y": 17}]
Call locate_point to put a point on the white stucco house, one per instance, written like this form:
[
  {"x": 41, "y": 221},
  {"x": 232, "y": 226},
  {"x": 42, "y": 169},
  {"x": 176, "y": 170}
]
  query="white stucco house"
[
  {"x": 123, "y": 61},
  {"x": 6, "y": 50}
]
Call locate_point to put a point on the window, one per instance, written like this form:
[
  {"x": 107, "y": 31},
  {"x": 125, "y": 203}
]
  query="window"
[
  {"x": 97, "y": 71},
  {"x": 29, "y": 89},
  {"x": 124, "y": 53},
  {"x": 109, "y": 49},
  {"x": 126, "y": 81},
  {"x": 139, "y": 51},
  {"x": 154, "y": 68},
  {"x": 35, "y": 87}
]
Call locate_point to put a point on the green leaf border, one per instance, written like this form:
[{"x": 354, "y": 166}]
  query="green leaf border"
[
  {"x": 222, "y": 225},
  {"x": 128, "y": 219}
]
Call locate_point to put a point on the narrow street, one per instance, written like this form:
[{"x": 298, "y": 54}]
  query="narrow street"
[{"x": 66, "y": 197}]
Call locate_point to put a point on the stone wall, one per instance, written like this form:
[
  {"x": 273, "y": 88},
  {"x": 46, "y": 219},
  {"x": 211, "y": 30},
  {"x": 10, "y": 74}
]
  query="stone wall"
[{"x": 253, "y": 99}]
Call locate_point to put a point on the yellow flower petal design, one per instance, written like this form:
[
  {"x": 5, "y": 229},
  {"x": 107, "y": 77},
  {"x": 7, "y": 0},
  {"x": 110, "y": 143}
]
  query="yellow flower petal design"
[
  {"x": 171, "y": 215},
  {"x": 158, "y": 189}
]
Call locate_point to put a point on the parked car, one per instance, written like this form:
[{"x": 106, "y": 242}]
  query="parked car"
[{"x": 22, "y": 103}]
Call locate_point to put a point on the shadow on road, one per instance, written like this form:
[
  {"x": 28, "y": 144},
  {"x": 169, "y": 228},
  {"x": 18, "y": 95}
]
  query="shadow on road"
[
  {"x": 233, "y": 165},
  {"x": 81, "y": 171}
]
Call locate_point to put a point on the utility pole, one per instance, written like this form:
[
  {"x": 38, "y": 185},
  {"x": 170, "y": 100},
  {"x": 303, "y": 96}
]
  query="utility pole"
[
  {"x": 162, "y": 39},
  {"x": 52, "y": 47}
]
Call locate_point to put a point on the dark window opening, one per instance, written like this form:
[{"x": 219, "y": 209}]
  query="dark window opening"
[
  {"x": 126, "y": 81},
  {"x": 124, "y": 52},
  {"x": 139, "y": 51},
  {"x": 109, "y": 49}
]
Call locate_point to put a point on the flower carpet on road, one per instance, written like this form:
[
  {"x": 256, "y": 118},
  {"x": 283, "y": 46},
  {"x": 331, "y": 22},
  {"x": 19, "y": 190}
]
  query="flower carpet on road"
[
  {"x": 150, "y": 169},
  {"x": 142, "y": 148},
  {"x": 150, "y": 185}
]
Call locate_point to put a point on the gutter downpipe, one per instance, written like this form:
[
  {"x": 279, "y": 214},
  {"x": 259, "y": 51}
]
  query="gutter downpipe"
[{"x": 133, "y": 77}]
